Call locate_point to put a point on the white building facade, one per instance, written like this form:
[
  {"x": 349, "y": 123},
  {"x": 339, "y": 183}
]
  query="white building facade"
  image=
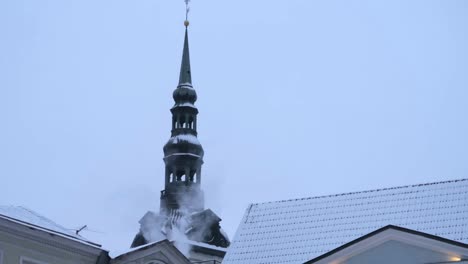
[{"x": 29, "y": 238}]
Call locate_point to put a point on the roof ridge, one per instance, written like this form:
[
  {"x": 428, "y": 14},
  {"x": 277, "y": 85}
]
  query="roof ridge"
[{"x": 365, "y": 191}]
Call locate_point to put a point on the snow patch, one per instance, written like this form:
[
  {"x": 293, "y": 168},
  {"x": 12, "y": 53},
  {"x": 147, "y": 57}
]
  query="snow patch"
[
  {"x": 186, "y": 104},
  {"x": 184, "y": 138},
  {"x": 183, "y": 154},
  {"x": 186, "y": 85}
]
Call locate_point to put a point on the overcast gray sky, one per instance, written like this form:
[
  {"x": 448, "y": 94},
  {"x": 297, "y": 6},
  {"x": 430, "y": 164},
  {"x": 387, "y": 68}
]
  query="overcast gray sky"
[{"x": 297, "y": 98}]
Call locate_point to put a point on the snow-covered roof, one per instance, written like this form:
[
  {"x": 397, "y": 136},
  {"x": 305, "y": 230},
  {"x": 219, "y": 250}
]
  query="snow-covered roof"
[
  {"x": 204, "y": 245},
  {"x": 294, "y": 231},
  {"x": 116, "y": 254},
  {"x": 28, "y": 217}
]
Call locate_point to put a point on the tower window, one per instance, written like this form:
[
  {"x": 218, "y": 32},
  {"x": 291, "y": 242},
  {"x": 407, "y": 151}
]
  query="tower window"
[
  {"x": 190, "y": 121},
  {"x": 180, "y": 176},
  {"x": 192, "y": 176}
]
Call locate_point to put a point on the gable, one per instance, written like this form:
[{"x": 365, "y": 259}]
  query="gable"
[
  {"x": 295, "y": 231},
  {"x": 394, "y": 244},
  {"x": 162, "y": 252},
  {"x": 158, "y": 258},
  {"x": 403, "y": 253}
]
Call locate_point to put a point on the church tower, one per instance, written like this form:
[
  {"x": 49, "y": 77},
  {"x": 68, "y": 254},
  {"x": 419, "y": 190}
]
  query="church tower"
[
  {"x": 182, "y": 214},
  {"x": 183, "y": 153}
]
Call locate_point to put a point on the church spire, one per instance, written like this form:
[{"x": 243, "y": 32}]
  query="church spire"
[{"x": 185, "y": 76}]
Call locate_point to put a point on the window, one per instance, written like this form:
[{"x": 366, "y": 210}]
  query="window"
[
  {"x": 26, "y": 260},
  {"x": 1, "y": 256}
]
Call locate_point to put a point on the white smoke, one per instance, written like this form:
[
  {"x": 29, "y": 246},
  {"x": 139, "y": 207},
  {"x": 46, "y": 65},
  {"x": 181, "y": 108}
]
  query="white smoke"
[
  {"x": 178, "y": 226},
  {"x": 150, "y": 227},
  {"x": 177, "y": 235}
]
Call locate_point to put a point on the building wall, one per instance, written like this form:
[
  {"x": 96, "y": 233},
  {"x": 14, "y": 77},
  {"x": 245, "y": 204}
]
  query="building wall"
[
  {"x": 16, "y": 249},
  {"x": 397, "y": 252}
]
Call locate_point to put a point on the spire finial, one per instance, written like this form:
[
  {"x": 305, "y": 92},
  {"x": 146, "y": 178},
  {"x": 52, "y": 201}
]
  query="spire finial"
[
  {"x": 187, "y": 10},
  {"x": 185, "y": 75}
]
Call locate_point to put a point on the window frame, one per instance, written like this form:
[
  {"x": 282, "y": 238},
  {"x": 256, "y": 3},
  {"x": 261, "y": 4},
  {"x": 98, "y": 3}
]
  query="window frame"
[{"x": 31, "y": 260}]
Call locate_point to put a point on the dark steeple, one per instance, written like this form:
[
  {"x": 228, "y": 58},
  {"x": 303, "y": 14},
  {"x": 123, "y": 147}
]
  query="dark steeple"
[
  {"x": 185, "y": 74},
  {"x": 182, "y": 200},
  {"x": 183, "y": 153}
]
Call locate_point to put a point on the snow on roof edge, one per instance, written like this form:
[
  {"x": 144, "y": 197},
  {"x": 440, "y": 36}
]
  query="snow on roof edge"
[
  {"x": 117, "y": 254},
  {"x": 204, "y": 245},
  {"x": 44, "y": 229},
  {"x": 242, "y": 222},
  {"x": 358, "y": 192}
]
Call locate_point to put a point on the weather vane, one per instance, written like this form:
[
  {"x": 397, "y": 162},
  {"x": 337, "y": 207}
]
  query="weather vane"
[{"x": 187, "y": 10}]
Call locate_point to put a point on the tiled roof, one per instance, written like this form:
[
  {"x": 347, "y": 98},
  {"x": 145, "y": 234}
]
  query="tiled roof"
[
  {"x": 294, "y": 231},
  {"x": 27, "y": 217}
]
